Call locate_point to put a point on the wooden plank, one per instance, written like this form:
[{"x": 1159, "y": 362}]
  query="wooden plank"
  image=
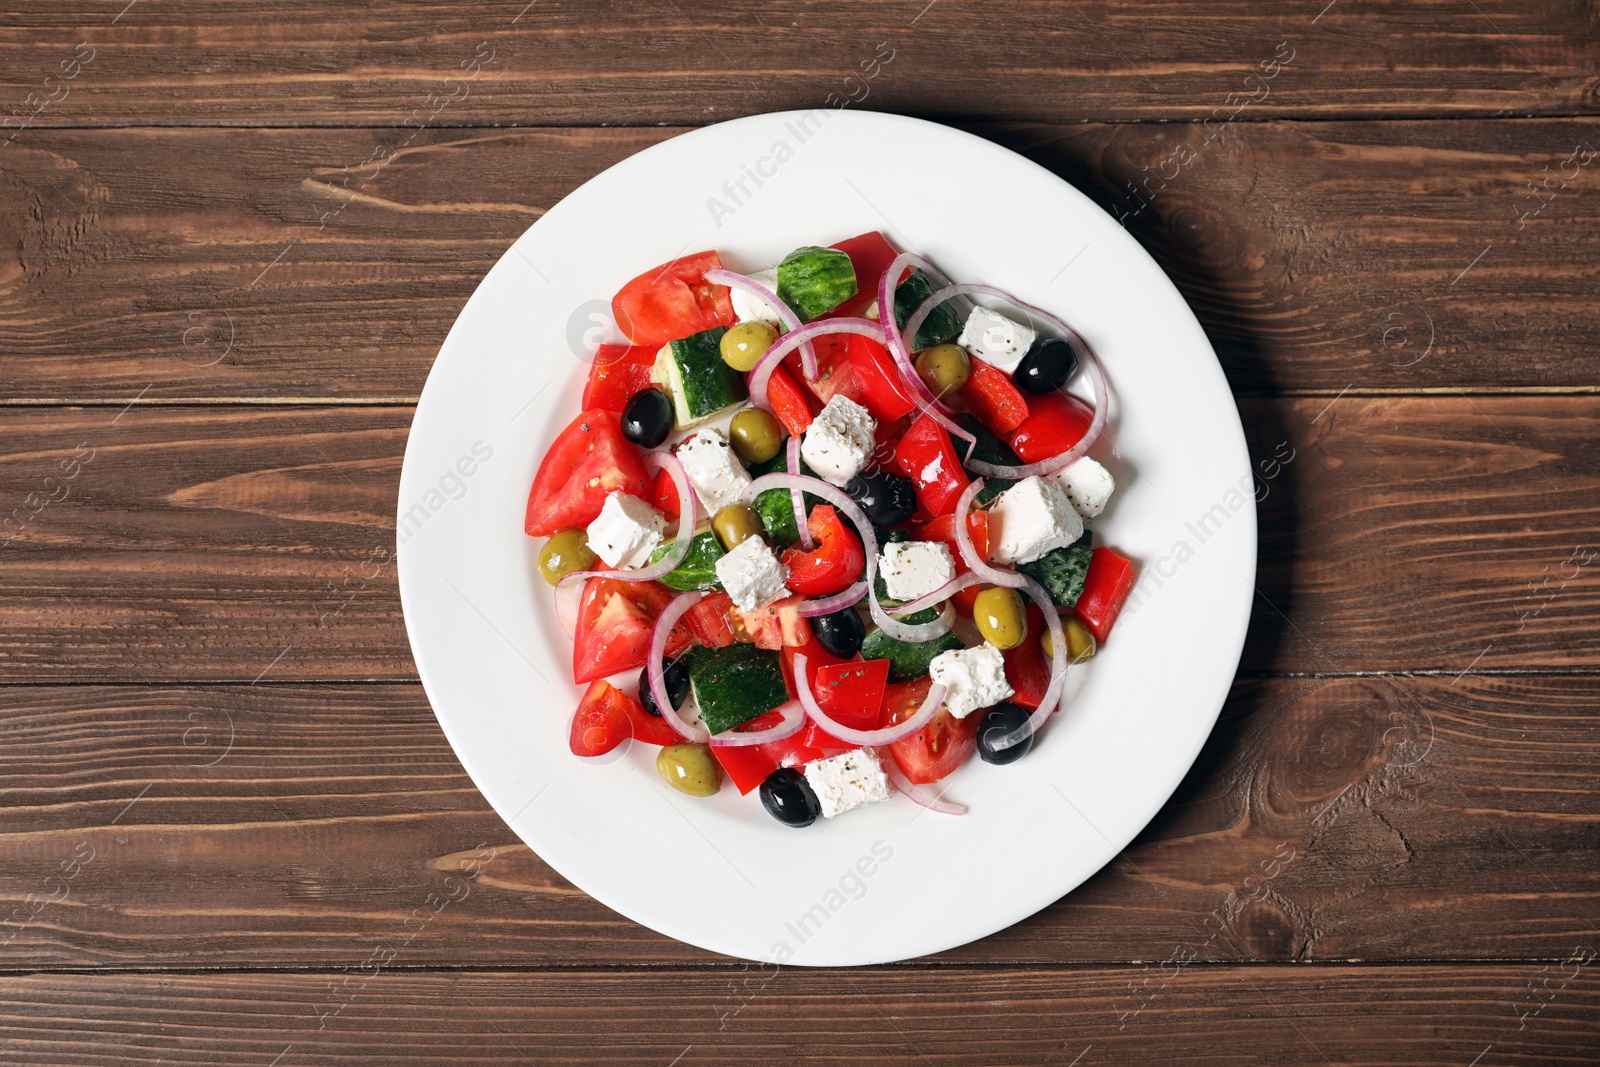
[
  {"x": 1394, "y": 1016},
  {"x": 263, "y": 264},
  {"x": 618, "y": 63},
  {"x": 220, "y": 543},
  {"x": 1328, "y": 819}
]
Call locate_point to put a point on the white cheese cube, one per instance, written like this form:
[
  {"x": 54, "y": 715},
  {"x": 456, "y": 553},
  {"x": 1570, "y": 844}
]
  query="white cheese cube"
[
  {"x": 1031, "y": 518},
  {"x": 748, "y": 307},
  {"x": 996, "y": 339},
  {"x": 752, "y": 575},
  {"x": 915, "y": 568},
  {"x": 847, "y": 781},
  {"x": 839, "y": 442},
  {"x": 973, "y": 678},
  {"x": 1088, "y": 485},
  {"x": 626, "y": 531},
  {"x": 719, "y": 479}
]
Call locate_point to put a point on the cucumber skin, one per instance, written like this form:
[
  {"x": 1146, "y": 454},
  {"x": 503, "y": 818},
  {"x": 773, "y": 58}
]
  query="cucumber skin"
[
  {"x": 709, "y": 384},
  {"x": 813, "y": 281},
  {"x": 942, "y": 323},
  {"x": 907, "y": 659},
  {"x": 1062, "y": 571},
  {"x": 735, "y": 684},
  {"x": 776, "y": 507},
  {"x": 988, "y": 448},
  {"x": 698, "y": 567}
]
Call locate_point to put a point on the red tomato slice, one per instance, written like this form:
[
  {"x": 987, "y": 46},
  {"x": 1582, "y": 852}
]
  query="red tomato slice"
[
  {"x": 710, "y": 621},
  {"x": 990, "y": 395},
  {"x": 1105, "y": 590},
  {"x": 1055, "y": 423},
  {"x": 926, "y": 456},
  {"x": 790, "y": 403},
  {"x": 776, "y": 626},
  {"x": 607, "y": 716},
  {"x": 943, "y": 529},
  {"x": 1026, "y": 668},
  {"x": 870, "y": 254},
  {"x": 664, "y": 496},
  {"x": 836, "y": 375},
  {"x": 589, "y": 461},
  {"x": 673, "y": 300},
  {"x": 618, "y": 372},
  {"x": 836, "y": 562},
  {"x": 877, "y": 379},
  {"x": 614, "y": 622},
  {"x": 939, "y": 747}
]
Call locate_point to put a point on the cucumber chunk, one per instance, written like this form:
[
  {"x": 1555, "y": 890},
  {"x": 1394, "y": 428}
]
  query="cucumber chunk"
[
  {"x": 813, "y": 281},
  {"x": 987, "y": 449},
  {"x": 693, "y": 373},
  {"x": 1062, "y": 571},
  {"x": 698, "y": 569},
  {"x": 943, "y": 322},
  {"x": 776, "y": 506},
  {"x": 907, "y": 659},
  {"x": 735, "y": 684}
]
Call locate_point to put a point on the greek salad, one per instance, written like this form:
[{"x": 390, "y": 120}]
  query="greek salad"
[{"x": 833, "y": 517}]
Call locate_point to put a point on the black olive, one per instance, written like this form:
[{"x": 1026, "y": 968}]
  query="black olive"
[
  {"x": 675, "y": 676},
  {"x": 996, "y": 723},
  {"x": 841, "y": 633},
  {"x": 787, "y": 796},
  {"x": 1047, "y": 366},
  {"x": 647, "y": 417},
  {"x": 888, "y": 499}
]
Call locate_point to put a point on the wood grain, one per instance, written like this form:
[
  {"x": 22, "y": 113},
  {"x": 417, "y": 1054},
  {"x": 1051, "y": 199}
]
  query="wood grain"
[
  {"x": 270, "y": 263},
  {"x": 299, "y": 63},
  {"x": 249, "y": 826},
  {"x": 1394, "y": 1016},
  {"x": 220, "y": 543}
]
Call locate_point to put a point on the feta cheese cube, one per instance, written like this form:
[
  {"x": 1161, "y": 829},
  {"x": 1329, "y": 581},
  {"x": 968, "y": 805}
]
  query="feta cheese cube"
[
  {"x": 719, "y": 479},
  {"x": 626, "y": 531},
  {"x": 1088, "y": 485},
  {"x": 847, "y": 781},
  {"x": 1031, "y": 518},
  {"x": 752, "y": 575},
  {"x": 973, "y": 678},
  {"x": 915, "y": 568},
  {"x": 839, "y": 442},
  {"x": 750, "y": 308},
  {"x": 996, "y": 339}
]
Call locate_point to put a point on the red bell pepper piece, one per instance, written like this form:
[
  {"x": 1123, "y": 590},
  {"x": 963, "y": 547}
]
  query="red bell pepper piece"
[
  {"x": 870, "y": 254},
  {"x": 836, "y": 562},
  {"x": 877, "y": 379},
  {"x": 618, "y": 372},
  {"x": 746, "y": 766},
  {"x": 791, "y": 404},
  {"x": 926, "y": 456},
  {"x": 852, "y": 695},
  {"x": 1056, "y": 421},
  {"x": 1105, "y": 590},
  {"x": 990, "y": 395},
  {"x": 1026, "y": 668}
]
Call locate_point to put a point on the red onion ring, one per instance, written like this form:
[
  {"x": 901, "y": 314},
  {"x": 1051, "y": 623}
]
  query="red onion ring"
[
  {"x": 1097, "y": 378},
  {"x": 900, "y": 348},
  {"x": 918, "y": 794},
  {"x": 1058, "y": 669},
  {"x": 653, "y": 670},
  {"x": 837, "y": 602},
  {"x": 969, "y": 552},
  {"x": 866, "y": 738},
  {"x": 794, "y": 717},
  {"x": 939, "y": 595},
  {"x": 791, "y": 321},
  {"x": 762, "y": 371},
  {"x": 798, "y": 498}
]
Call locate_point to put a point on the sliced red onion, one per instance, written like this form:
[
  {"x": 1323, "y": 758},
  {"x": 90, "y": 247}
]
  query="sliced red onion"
[
  {"x": 918, "y": 794},
  {"x": 762, "y": 371},
  {"x": 939, "y": 595},
  {"x": 1097, "y": 377},
  {"x": 680, "y": 546},
  {"x": 653, "y": 670},
  {"x": 900, "y": 348},
  {"x": 791, "y": 321},
  {"x": 798, "y": 498},
  {"x": 866, "y": 738},
  {"x": 837, "y": 602},
  {"x": 794, "y": 717},
  {"x": 910, "y": 631},
  {"x": 1058, "y": 669},
  {"x": 969, "y": 552}
]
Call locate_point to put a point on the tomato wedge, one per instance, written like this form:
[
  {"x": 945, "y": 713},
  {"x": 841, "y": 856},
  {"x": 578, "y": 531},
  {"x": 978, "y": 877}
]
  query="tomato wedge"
[
  {"x": 939, "y": 747},
  {"x": 673, "y": 300},
  {"x": 778, "y": 625},
  {"x": 589, "y": 461},
  {"x": 926, "y": 456},
  {"x": 1105, "y": 590},
  {"x": 789, "y": 401},
  {"x": 607, "y": 716},
  {"x": 710, "y": 621},
  {"x": 1056, "y": 421},
  {"x": 836, "y": 562},
  {"x": 615, "y": 618},
  {"x": 870, "y": 254},
  {"x": 618, "y": 372},
  {"x": 990, "y": 395},
  {"x": 1026, "y": 668},
  {"x": 664, "y": 496},
  {"x": 943, "y": 529}
]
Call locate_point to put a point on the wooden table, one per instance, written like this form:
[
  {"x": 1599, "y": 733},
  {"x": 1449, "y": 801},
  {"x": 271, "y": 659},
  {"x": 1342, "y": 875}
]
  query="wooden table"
[{"x": 234, "y": 237}]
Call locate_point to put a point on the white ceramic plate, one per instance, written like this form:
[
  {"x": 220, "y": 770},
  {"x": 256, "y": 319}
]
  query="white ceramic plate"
[{"x": 890, "y": 881}]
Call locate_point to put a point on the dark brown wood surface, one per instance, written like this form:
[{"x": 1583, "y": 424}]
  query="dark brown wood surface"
[{"x": 223, "y": 794}]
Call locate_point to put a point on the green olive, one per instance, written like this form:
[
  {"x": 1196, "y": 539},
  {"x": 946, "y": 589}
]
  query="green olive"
[
  {"x": 690, "y": 769},
  {"x": 944, "y": 368},
  {"x": 1000, "y": 617},
  {"x": 755, "y": 435},
  {"x": 565, "y": 553},
  {"x": 743, "y": 345},
  {"x": 736, "y": 523},
  {"x": 1080, "y": 642}
]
